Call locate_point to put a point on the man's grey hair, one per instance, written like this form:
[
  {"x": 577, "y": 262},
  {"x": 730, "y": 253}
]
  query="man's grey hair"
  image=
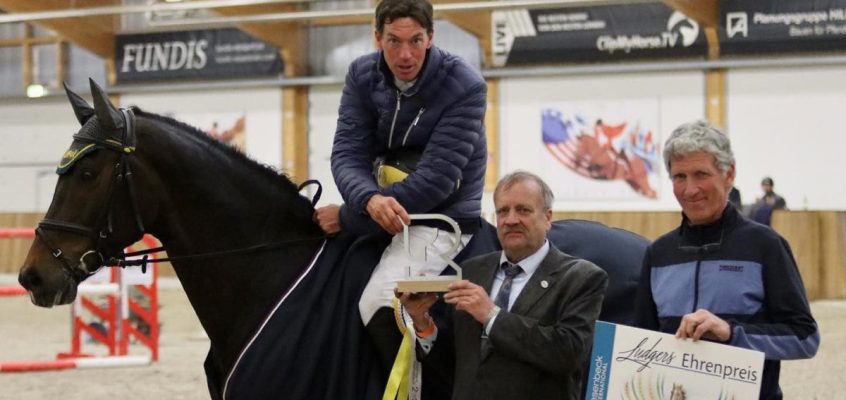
[
  {"x": 699, "y": 136},
  {"x": 519, "y": 176}
]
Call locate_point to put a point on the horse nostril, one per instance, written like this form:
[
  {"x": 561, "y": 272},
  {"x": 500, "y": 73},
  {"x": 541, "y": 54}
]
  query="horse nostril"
[{"x": 29, "y": 279}]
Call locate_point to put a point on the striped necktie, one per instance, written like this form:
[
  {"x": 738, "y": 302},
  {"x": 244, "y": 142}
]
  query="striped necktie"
[{"x": 501, "y": 300}]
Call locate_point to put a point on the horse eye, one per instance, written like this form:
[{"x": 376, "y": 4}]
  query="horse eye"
[{"x": 87, "y": 175}]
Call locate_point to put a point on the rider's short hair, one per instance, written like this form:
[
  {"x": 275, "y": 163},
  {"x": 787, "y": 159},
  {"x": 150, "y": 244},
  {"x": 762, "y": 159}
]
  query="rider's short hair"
[
  {"x": 699, "y": 136},
  {"x": 419, "y": 10}
]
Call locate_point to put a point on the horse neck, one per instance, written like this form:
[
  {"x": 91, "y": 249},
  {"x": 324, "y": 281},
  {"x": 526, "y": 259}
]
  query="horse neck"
[
  {"x": 201, "y": 200},
  {"x": 205, "y": 197}
]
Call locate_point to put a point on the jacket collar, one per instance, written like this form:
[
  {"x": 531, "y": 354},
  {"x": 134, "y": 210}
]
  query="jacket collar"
[
  {"x": 708, "y": 233},
  {"x": 433, "y": 58}
]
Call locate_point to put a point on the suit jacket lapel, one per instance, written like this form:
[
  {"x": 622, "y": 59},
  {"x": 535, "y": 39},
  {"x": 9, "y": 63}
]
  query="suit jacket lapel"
[
  {"x": 534, "y": 289},
  {"x": 484, "y": 277}
]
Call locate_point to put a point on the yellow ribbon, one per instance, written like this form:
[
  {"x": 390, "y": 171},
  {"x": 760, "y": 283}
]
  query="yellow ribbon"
[
  {"x": 398, "y": 381},
  {"x": 397, "y": 387}
]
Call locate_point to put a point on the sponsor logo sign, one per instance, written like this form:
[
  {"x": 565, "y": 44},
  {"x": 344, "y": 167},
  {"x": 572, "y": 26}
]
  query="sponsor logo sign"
[
  {"x": 204, "y": 54},
  {"x": 782, "y": 26},
  {"x": 618, "y": 32}
]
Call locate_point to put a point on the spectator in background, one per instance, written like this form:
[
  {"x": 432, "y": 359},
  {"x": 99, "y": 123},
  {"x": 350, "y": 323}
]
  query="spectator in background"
[
  {"x": 748, "y": 291},
  {"x": 762, "y": 210}
]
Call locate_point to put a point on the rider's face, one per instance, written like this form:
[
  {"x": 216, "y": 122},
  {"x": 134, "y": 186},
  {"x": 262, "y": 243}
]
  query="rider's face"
[
  {"x": 700, "y": 187},
  {"x": 404, "y": 43}
]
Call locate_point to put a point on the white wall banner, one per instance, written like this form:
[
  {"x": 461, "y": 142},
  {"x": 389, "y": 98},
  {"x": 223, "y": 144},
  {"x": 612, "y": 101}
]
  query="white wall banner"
[
  {"x": 249, "y": 120},
  {"x": 602, "y": 150}
]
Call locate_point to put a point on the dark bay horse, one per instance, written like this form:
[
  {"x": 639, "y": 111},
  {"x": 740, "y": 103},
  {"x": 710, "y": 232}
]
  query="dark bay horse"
[
  {"x": 130, "y": 172},
  {"x": 278, "y": 301}
]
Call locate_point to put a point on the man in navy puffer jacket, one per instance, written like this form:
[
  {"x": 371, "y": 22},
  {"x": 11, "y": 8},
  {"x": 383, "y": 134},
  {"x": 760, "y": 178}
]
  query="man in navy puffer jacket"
[{"x": 408, "y": 100}]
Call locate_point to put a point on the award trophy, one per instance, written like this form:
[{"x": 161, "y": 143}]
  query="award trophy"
[{"x": 439, "y": 283}]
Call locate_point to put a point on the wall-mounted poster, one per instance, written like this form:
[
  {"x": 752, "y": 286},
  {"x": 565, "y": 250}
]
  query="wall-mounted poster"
[
  {"x": 602, "y": 150},
  {"x": 229, "y": 128}
]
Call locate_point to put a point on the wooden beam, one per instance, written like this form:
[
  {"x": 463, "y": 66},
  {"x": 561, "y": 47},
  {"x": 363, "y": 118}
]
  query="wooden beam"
[
  {"x": 492, "y": 135},
  {"x": 61, "y": 62},
  {"x": 30, "y": 41},
  {"x": 295, "y": 132},
  {"x": 478, "y": 25},
  {"x": 288, "y": 37},
  {"x": 715, "y": 97},
  {"x": 354, "y": 20},
  {"x": 27, "y": 58},
  {"x": 704, "y": 12},
  {"x": 715, "y": 83},
  {"x": 95, "y": 34}
]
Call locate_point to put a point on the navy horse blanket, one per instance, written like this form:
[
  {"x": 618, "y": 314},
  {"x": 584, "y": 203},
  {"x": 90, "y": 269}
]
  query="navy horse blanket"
[{"x": 314, "y": 346}]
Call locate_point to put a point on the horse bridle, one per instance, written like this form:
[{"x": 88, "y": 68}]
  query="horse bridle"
[{"x": 122, "y": 173}]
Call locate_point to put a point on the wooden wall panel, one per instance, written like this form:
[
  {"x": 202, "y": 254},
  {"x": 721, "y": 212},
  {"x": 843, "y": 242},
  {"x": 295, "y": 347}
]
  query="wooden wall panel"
[
  {"x": 833, "y": 255},
  {"x": 818, "y": 241},
  {"x": 801, "y": 229},
  {"x": 650, "y": 225},
  {"x": 13, "y": 251}
]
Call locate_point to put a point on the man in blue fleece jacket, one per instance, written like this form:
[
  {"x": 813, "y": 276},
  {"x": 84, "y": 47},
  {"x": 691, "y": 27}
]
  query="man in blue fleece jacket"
[{"x": 720, "y": 276}]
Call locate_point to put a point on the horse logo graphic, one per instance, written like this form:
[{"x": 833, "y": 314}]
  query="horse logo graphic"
[{"x": 685, "y": 26}]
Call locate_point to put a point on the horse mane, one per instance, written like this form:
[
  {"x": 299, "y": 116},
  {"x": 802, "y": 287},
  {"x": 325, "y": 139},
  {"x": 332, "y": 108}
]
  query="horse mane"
[{"x": 266, "y": 172}]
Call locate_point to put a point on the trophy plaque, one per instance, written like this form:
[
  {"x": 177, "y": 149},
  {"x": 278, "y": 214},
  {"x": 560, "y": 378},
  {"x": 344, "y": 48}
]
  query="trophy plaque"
[{"x": 439, "y": 283}]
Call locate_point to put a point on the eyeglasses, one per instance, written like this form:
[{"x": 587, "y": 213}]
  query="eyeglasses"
[{"x": 705, "y": 248}]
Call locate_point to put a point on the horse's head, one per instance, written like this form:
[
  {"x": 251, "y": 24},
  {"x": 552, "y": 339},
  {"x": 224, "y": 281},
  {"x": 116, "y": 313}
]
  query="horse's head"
[{"x": 92, "y": 216}]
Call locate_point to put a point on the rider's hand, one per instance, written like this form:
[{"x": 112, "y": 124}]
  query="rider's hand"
[
  {"x": 329, "y": 218},
  {"x": 388, "y": 213}
]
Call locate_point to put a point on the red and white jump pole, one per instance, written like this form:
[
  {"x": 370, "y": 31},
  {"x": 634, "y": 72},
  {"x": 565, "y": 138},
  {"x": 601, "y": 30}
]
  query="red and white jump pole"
[
  {"x": 9, "y": 233},
  {"x": 115, "y": 314},
  {"x": 71, "y": 363},
  {"x": 12, "y": 291}
]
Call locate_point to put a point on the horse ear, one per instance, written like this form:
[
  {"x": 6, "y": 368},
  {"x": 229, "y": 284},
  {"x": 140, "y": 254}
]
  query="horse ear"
[
  {"x": 107, "y": 114},
  {"x": 81, "y": 108}
]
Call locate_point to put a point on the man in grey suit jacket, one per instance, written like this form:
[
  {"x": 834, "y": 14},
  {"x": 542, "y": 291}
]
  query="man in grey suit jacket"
[{"x": 523, "y": 336}]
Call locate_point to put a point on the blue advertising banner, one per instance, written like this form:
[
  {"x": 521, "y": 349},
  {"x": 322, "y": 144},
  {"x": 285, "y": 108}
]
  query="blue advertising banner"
[{"x": 203, "y": 54}]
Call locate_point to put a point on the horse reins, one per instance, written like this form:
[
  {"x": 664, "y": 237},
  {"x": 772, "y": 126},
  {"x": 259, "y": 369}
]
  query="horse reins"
[{"x": 123, "y": 173}]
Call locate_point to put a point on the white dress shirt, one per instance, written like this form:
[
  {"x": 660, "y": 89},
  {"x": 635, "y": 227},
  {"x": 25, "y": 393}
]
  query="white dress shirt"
[{"x": 529, "y": 265}]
